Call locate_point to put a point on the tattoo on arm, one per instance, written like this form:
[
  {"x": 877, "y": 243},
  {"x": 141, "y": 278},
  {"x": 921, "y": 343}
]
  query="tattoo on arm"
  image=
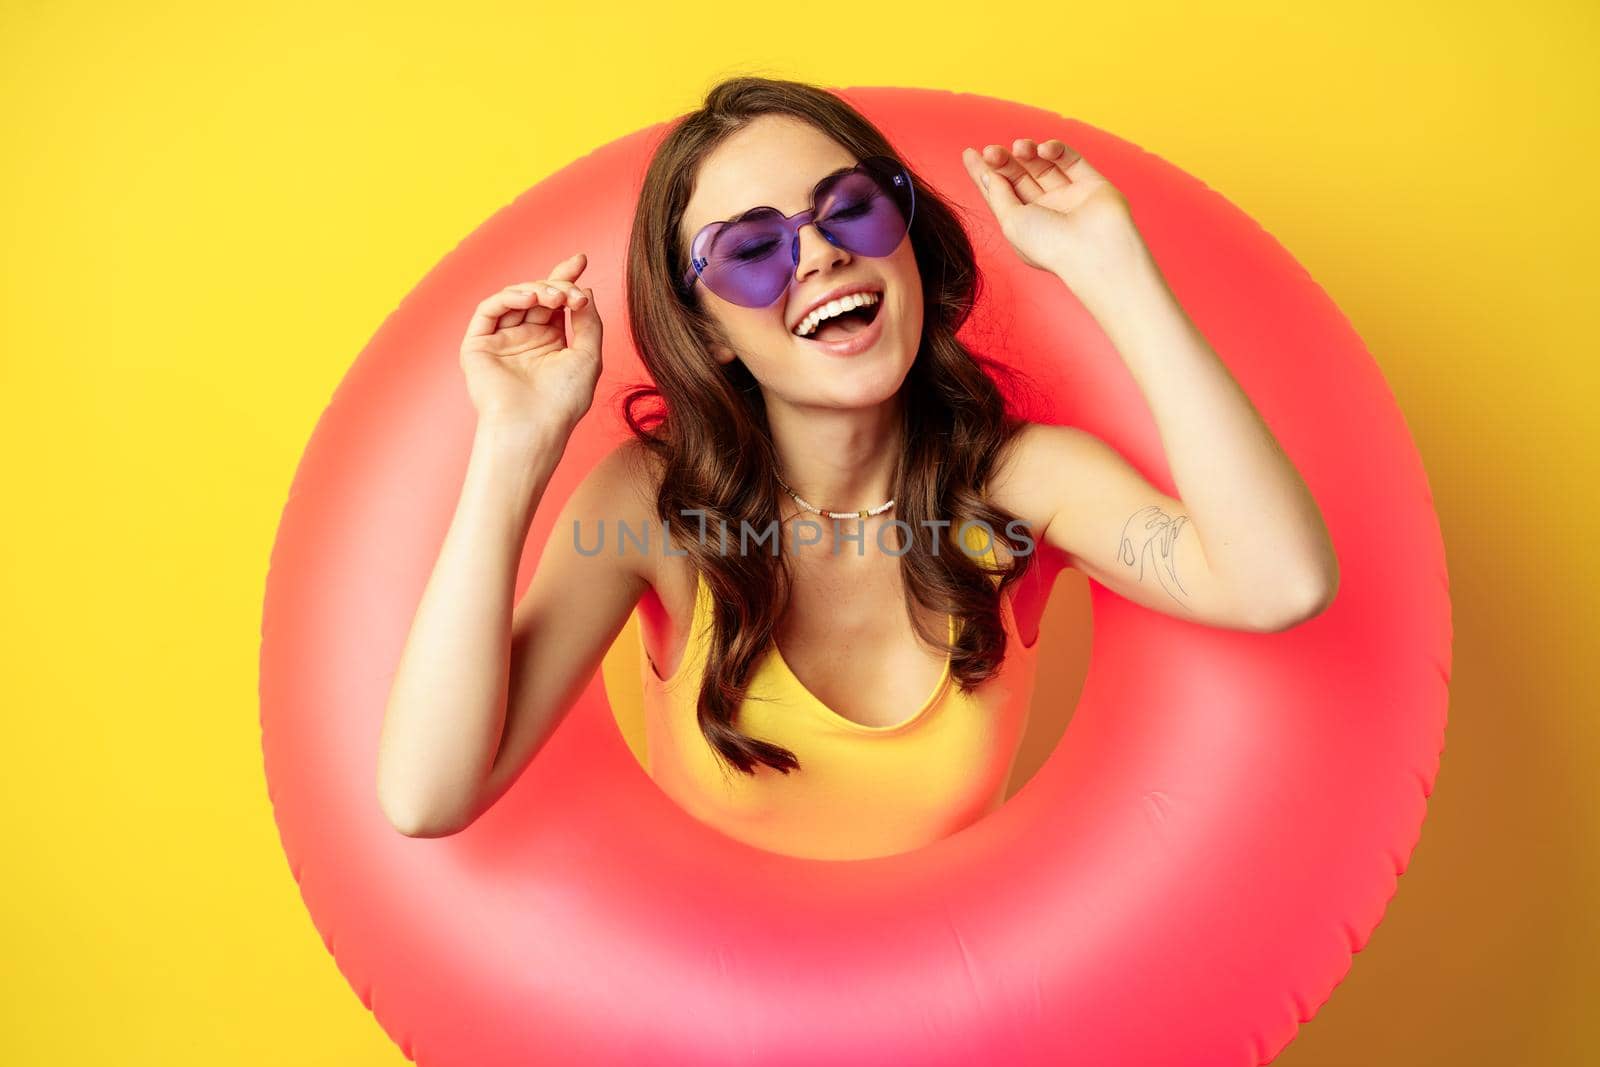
[{"x": 1152, "y": 532}]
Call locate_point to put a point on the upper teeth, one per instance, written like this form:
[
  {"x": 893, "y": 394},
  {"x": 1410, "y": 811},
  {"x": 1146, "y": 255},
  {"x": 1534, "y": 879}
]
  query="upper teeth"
[{"x": 832, "y": 308}]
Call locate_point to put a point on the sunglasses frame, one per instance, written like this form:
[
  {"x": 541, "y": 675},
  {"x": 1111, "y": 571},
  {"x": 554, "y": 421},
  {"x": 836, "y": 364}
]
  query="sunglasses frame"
[{"x": 792, "y": 224}]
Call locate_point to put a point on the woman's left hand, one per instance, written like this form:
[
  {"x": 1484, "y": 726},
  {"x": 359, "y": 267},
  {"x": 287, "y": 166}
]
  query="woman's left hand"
[{"x": 1058, "y": 212}]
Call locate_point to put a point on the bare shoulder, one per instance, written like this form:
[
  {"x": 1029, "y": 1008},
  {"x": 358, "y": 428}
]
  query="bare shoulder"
[
  {"x": 621, "y": 490},
  {"x": 1033, "y": 466},
  {"x": 632, "y": 472},
  {"x": 624, "y": 488},
  {"x": 1118, "y": 527}
]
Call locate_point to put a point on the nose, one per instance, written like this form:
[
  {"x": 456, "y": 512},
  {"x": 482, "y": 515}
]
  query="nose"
[{"x": 816, "y": 253}]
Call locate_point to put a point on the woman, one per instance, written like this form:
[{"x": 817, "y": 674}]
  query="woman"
[{"x": 794, "y": 291}]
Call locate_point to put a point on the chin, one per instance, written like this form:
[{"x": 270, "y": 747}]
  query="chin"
[{"x": 867, "y": 382}]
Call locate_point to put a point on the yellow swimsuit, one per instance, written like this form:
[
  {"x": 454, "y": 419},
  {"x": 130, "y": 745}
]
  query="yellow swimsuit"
[{"x": 860, "y": 791}]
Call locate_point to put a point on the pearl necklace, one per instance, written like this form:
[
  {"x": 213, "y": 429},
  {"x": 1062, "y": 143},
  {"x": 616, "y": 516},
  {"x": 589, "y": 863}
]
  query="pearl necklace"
[{"x": 864, "y": 513}]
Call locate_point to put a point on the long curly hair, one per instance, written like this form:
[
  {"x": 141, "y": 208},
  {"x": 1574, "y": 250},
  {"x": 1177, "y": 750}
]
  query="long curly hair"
[{"x": 706, "y": 422}]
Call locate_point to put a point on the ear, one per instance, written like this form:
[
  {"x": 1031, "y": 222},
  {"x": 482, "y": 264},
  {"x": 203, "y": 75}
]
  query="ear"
[
  {"x": 716, "y": 341},
  {"x": 717, "y": 344}
]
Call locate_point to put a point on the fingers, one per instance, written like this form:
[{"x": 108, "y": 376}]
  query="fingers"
[
  {"x": 1068, "y": 161},
  {"x": 506, "y": 308},
  {"x": 1032, "y": 168},
  {"x": 1058, "y": 152},
  {"x": 1001, "y": 160},
  {"x": 1045, "y": 162},
  {"x": 535, "y": 302},
  {"x": 587, "y": 331},
  {"x": 569, "y": 269},
  {"x": 554, "y": 292},
  {"x": 532, "y": 302},
  {"x": 998, "y": 193},
  {"x": 512, "y": 318}
]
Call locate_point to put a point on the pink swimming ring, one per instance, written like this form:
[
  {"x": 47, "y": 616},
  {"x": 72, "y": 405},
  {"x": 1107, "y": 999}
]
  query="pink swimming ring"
[{"x": 1183, "y": 882}]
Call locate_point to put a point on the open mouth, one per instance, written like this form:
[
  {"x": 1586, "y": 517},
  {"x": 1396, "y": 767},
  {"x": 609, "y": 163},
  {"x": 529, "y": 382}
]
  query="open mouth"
[{"x": 850, "y": 316}]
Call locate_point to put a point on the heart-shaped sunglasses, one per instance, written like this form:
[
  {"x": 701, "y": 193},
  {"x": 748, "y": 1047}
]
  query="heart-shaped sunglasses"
[{"x": 750, "y": 260}]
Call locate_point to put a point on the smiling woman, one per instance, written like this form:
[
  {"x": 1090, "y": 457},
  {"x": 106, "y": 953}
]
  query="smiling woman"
[
  {"x": 575, "y": 911},
  {"x": 809, "y": 255},
  {"x": 778, "y": 231}
]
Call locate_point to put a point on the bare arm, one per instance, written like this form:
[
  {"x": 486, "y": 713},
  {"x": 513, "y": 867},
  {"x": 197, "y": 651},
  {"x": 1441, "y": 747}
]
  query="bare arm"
[
  {"x": 575, "y": 606},
  {"x": 1078, "y": 494},
  {"x": 446, "y": 708},
  {"x": 479, "y": 688},
  {"x": 1245, "y": 520},
  {"x": 1246, "y": 544},
  {"x": 477, "y": 692}
]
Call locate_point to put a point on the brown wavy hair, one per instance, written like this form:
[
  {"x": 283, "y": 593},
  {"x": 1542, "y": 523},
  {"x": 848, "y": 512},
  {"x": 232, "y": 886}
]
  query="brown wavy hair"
[{"x": 706, "y": 423}]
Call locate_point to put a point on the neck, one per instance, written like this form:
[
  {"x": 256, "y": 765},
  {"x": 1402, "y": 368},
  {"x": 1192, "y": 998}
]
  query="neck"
[{"x": 838, "y": 459}]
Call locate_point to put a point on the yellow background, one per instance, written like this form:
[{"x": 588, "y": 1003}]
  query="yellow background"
[{"x": 208, "y": 209}]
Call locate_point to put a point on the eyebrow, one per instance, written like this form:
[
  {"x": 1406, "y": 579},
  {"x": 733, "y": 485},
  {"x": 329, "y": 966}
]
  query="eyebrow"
[
  {"x": 742, "y": 216},
  {"x": 748, "y": 212}
]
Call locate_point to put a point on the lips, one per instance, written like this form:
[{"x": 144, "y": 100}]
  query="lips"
[
  {"x": 843, "y": 290},
  {"x": 856, "y": 343}
]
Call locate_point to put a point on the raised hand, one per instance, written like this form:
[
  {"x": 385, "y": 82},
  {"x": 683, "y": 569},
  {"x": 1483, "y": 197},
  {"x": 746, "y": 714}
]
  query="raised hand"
[
  {"x": 520, "y": 367},
  {"x": 1056, "y": 210}
]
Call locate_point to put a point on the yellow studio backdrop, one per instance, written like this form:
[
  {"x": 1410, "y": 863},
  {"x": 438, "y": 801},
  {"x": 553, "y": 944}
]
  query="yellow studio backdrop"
[{"x": 207, "y": 211}]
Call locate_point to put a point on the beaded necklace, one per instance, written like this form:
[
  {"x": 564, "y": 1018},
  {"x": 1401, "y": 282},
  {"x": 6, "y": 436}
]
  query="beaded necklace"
[{"x": 864, "y": 513}]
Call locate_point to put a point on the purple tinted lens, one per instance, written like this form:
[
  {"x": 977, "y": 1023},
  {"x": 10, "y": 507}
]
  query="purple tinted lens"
[
  {"x": 747, "y": 262},
  {"x": 866, "y": 211},
  {"x": 860, "y": 215}
]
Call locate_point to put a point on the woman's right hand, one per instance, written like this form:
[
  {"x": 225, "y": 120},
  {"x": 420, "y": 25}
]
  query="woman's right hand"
[{"x": 520, "y": 368}]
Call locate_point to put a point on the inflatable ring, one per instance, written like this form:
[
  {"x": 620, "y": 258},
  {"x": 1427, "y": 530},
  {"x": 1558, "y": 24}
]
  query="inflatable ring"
[{"x": 1182, "y": 882}]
